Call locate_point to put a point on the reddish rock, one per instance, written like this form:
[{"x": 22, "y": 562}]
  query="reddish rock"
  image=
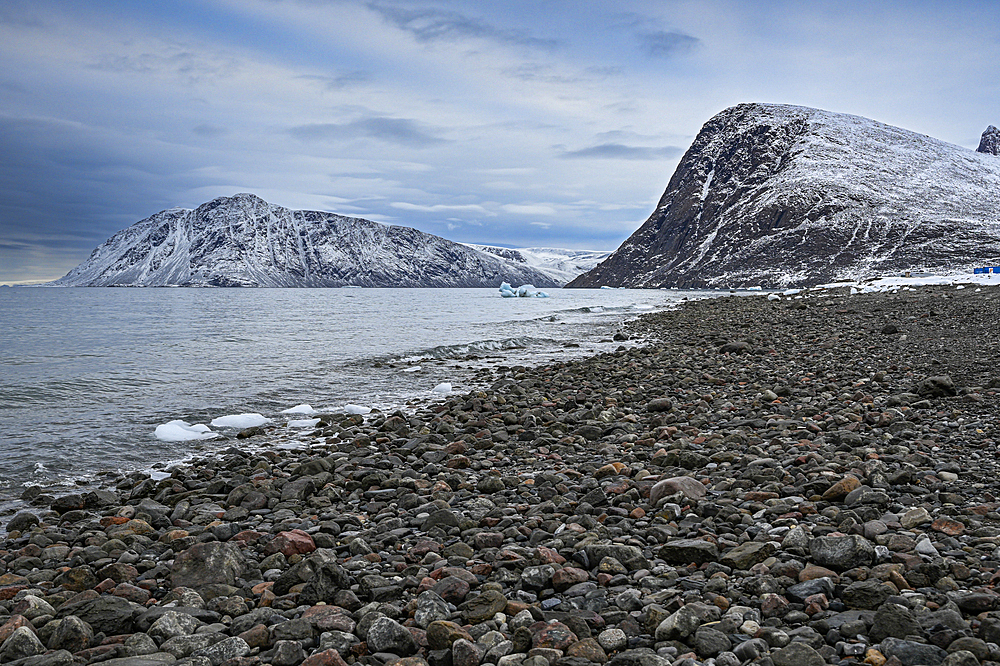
[
  {"x": 947, "y": 526},
  {"x": 813, "y": 571},
  {"x": 759, "y": 496},
  {"x": 132, "y": 593},
  {"x": 105, "y": 585},
  {"x": 588, "y": 649},
  {"x": 291, "y": 543},
  {"x": 773, "y": 605},
  {"x": 452, "y": 589},
  {"x": 555, "y": 635},
  {"x": 330, "y": 618},
  {"x": 257, "y": 636},
  {"x": 329, "y": 658},
  {"x": 248, "y": 536},
  {"x": 13, "y": 624},
  {"x": 840, "y": 489},
  {"x": 119, "y": 573},
  {"x": 567, "y": 577},
  {"x": 10, "y": 591},
  {"x": 816, "y": 603},
  {"x": 549, "y": 556},
  {"x": 442, "y": 633}
]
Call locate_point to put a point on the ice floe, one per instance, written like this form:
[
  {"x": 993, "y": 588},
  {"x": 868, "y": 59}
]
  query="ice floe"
[
  {"x": 443, "y": 388},
  {"x": 524, "y": 291},
  {"x": 240, "y": 421},
  {"x": 357, "y": 409},
  {"x": 302, "y": 423},
  {"x": 182, "y": 431},
  {"x": 300, "y": 409}
]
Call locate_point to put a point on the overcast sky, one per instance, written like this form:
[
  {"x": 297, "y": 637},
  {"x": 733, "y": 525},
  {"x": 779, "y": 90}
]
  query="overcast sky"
[{"x": 536, "y": 123}]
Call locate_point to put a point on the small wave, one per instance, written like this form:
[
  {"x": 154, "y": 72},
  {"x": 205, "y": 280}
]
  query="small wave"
[{"x": 480, "y": 347}]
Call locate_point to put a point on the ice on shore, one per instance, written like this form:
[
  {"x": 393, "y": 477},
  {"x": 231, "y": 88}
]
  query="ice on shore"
[
  {"x": 240, "y": 421},
  {"x": 443, "y": 388},
  {"x": 524, "y": 291},
  {"x": 182, "y": 431},
  {"x": 415, "y": 368},
  {"x": 302, "y": 423},
  {"x": 357, "y": 409},
  {"x": 300, "y": 409}
]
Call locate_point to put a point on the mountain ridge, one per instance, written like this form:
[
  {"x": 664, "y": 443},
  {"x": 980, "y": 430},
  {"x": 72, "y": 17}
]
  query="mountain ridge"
[
  {"x": 244, "y": 241},
  {"x": 785, "y": 195}
]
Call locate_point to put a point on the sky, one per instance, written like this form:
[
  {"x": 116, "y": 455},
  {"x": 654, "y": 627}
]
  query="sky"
[{"x": 540, "y": 123}]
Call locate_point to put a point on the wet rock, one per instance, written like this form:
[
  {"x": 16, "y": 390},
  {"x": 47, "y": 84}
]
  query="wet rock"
[
  {"x": 690, "y": 487},
  {"x": 893, "y": 620},
  {"x": 71, "y": 634}
]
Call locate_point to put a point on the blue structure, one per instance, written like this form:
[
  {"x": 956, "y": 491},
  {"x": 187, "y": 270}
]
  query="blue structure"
[{"x": 987, "y": 269}]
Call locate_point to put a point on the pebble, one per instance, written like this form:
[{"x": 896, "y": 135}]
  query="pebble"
[{"x": 759, "y": 482}]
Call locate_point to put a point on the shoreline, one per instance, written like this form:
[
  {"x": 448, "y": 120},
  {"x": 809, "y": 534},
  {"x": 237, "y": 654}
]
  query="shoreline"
[{"x": 759, "y": 471}]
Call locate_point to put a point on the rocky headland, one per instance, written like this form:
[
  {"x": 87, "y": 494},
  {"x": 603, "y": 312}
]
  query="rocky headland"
[{"x": 783, "y": 482}]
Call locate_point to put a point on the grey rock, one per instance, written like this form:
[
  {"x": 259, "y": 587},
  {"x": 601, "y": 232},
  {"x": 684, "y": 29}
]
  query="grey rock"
[
  {"x": 989, "y": 142},
  {"x": 172, "y": 624},
  {"x": 797, "y": 654},
  {"x": 685, "y": 551},
  {"x": 387, "y": 635},
  {"x": 842, "y": 552},
  {"x": 893, "y": 620},
  {"x": 230, "y": 648},
  {"x": 430, "y": 607},
  {"x": 206, "y": 564},
  {"x": 20, "y": 644},
  {"x": 709, "y": 642},
  {"x": 912, "y": 653}
]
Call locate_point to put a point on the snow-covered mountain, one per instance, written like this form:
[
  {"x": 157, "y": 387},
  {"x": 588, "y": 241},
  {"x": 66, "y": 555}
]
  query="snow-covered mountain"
[
  {"x": 560, "y": 265},
  {"x": 243, "y": 241},
  {"x": 782, "y": 195}
]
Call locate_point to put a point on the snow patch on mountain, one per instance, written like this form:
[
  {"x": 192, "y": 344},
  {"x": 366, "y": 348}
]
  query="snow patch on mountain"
[{"x": 560, "y": 265}]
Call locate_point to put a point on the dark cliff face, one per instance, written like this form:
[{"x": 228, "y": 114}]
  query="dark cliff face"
[
  {"x": 990, "y": 141},
  {"x": 243, "y": 241},
  {"x": 778, "y": 195}
]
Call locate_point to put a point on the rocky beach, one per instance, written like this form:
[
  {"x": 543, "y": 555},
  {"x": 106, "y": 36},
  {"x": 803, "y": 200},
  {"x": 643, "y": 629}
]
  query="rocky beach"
[{"x": 793, "y": 482}]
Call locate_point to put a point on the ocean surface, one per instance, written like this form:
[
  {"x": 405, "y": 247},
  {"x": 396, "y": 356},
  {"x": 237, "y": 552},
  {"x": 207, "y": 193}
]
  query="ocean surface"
[{"x": 87, "y": 374}]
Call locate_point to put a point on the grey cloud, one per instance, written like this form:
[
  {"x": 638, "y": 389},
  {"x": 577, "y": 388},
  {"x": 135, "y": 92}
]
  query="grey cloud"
[
  {"x": 619, "y": 151},
  {"x": 19, "y": 14},
  {"x": 340, "y": 81},
  {"x": 400, "y": 131},
  {"x": 209, "y": 131},
  {"x": 437, "y": 24},
  {"x": 537, "y": 72},
  {"x": 664, "y": 44}
]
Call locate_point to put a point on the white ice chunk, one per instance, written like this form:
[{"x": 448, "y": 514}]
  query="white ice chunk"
[
  {"x": 302, "y": 423},
  {"x": 240, "y": 421},
  {"x": 357, "y": 409},
  {"x": 444, "y": 387},
  {"x": 182, "y": 431},
  {"x": 300, "y": 409},
  {"x": 773, "y": 297},
  {"x": 159, "y": 476},
  {"x": 415, "y": 368}
]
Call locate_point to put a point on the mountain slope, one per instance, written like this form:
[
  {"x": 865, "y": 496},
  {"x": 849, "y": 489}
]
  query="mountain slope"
[
  {"x": 783, "y": 195},
  {"x": 243, "y": 241},
  {"x": 560, "y": 265}
]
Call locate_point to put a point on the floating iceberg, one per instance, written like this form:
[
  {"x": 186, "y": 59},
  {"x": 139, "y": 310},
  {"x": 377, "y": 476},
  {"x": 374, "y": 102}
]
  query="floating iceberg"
[
  {"x": 240, "y": 421},
  {"x": 303, "y": 423},
  {"x": 442, "y": 388},
  {"x": 300, "y": 409},
  {"x": 182, "y": 431},
  {"x": 524, "y": 291},
  {"x": 357, "y": 409}
]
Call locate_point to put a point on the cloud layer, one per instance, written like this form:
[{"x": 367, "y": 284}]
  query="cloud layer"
[{"x": 515, "y": 122}]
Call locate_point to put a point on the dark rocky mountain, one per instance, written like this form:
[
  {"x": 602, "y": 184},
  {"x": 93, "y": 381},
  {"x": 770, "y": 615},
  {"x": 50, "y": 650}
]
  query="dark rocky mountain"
[
  {"x": 782, "y": 195},
  {"x": 243, "y": 241},
  {"x": 990, "y": 141}
]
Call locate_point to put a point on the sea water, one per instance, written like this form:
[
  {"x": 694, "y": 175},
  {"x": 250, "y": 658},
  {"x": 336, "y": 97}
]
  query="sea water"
[{"x": 87, "y": 374}]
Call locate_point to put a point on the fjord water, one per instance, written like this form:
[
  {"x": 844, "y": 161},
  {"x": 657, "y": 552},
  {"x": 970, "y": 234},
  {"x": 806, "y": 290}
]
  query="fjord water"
[{"x": 86, "y": 374}]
